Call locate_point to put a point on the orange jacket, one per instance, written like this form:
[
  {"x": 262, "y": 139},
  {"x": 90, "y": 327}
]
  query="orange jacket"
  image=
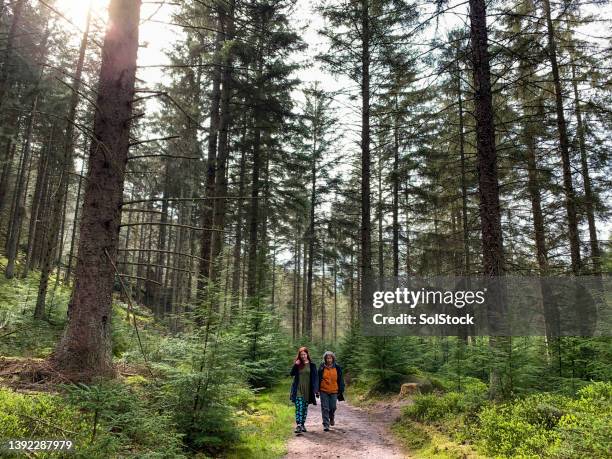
[{"x": 329, "y": 380}]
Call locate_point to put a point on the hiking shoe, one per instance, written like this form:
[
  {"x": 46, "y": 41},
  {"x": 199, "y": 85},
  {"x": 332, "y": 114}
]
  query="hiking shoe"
[
  {"x": 298, "y": 429},
  {"x": 326, "y": 429},
  {"x": 331, "y": 421},
  {"x": 303, "y": 427}
]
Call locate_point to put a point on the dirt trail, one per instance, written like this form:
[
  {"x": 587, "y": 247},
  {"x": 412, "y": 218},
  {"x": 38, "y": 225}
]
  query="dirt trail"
[{"x": 358, "y": 433}]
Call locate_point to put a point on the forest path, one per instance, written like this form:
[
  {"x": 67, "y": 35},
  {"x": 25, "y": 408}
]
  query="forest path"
[{"x": 358, "y": 433}]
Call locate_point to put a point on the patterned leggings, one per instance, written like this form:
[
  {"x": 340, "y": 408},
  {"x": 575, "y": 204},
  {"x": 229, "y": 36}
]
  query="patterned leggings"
[{"x": 301, "y": 410}]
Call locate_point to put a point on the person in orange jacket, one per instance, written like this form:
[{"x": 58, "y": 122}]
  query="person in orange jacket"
[{"x": 331, "y": 388}]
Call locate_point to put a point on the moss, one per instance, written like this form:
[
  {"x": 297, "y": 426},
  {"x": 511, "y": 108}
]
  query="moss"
[
  {"x": 424, "y": 441},
  {"x": 265, "y": 423}
]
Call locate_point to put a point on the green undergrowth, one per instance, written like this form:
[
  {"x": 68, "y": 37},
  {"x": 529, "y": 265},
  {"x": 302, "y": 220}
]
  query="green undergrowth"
[
  {"x": 182, "y": 394},
  {"x": 265, "y": 423},
  {"x": 104, "y": 420},
  {"x": 544, "y": 425},
  {"x": 20, "y": 334},
  {"x": 424, "y": 441},
  {"x": 23, "y": 336},
  {"x": 132, "y": 418}
]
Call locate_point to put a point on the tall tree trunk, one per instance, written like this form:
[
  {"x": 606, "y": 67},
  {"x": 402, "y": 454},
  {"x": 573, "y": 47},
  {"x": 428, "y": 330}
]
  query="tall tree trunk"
[
  {"x": 41, "y": 174},
  {"x": 304, "y": 285},
  {"x": 44, "y": 212},
  {"x": 311, "y": 232},
  {"x": 272, "y": 296},
  {"x": 381, "y": 247},
  {"x": 335, "y": 298},
  {"x": 211, "y": 169},
  {"x": 161, "y": 238},
  {"x": 464, "y": 197},
  {"x": 220, "y": 204},
  {"x": 396, "y": 183},
  {"x": 66, "y": 165},
  {"x": 85, "y": 347},
  {"x": 352, "y": 290},
  {"x": 262, "y": 268},
  {"x": 238, "y": 242},
  {"x": 4, "y": 175},
  {"x": 551, "y": 313},
  {"x": 490, "y": 214},
  {"x": 588, "y": 191},
  {"x": 253, "y": 259},
  {"x": 295, "y": 282},
  {"x": 408, "y": 259},
  {"x": 323, "y": 319},
  {"x": 365, "y": 236},
  {"x": 18, "y": 212},
  {"x": 298, "y": 281},
  {"x": 75, "y": 220},
  {"x": 254, "y": 215},
  {"x": 568, "y": 187}
]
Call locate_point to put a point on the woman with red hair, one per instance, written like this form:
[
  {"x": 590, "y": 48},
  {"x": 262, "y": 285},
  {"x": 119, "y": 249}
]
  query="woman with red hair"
[{"x": 305, "y": 386}]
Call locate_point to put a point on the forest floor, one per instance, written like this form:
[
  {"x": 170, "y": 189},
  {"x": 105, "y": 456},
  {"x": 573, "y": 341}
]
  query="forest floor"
[{"x": 358, "y": 433}]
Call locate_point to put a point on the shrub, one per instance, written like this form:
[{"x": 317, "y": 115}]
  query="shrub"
[
  {"x": 44, "y": 416},
  {"x": 132, "y": 417},
  {"x": 548, "y": 425},
  {"x": 586, "y": 428},
  {"x": 432, "y": 407},
  {"x": 412, "y": 435},
  {"x": 505, "y": 431}
]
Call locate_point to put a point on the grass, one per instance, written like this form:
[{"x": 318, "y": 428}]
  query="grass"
[
  {"x": 426, "y": 442},
  {"x": 360, "y": 395},
  {"x": 265, "y": 425},
  {"x": 20, "y": 334}
]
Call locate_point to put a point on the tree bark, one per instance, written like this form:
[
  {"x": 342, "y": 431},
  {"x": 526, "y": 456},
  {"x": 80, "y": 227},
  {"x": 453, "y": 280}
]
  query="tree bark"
[
  {"x": 18, "y": 212},
  {"x": 365, "y": 230},
  {"x": 6, "y": 170},
  {"x": 380, "y": 210},
  {"x": 211, "y": 170},
  {"x": 588, "y": 191},
  {"x": 464, "y": 197},
  {"x": 568, "y": 187},
  {"x": 323, "y": 318},
  {"x": 85, "y": 347},
  {"x": 490, "y": 214},
  {"x": 311, "y": 227},
  {"x": 239, "y": 217},
  {"x": 220, "y": 206},
  {"x": 254, "y": 215},
  {"x": 66, "y": 165},
  {"x": 253, "y": 259},
  {"x": 396, "y": 182},
  {"x": 41, "y": 173}
]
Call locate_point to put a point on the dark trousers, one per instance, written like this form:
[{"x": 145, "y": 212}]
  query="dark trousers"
[{"x": 328, "y": 407}]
